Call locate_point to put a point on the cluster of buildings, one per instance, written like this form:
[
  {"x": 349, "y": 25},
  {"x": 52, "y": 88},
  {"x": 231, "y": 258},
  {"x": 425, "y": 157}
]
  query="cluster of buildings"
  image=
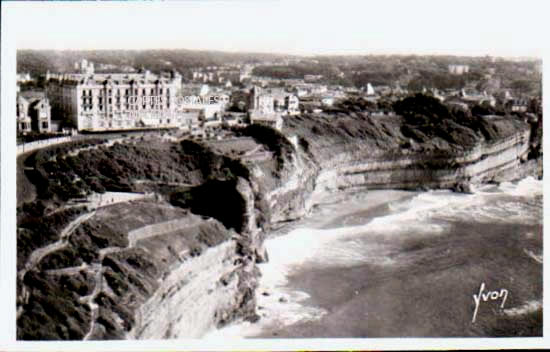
[
  {"x": 126, "y": 101},
  {"x": 227, "y": 75},
  {"x": 130, "y": 100}
]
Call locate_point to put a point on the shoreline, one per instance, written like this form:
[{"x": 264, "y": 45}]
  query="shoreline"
[{"x": 295, "y": 285}]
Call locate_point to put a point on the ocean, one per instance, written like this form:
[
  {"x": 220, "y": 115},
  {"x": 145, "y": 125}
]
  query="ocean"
[{"x": 406, "y": 264}]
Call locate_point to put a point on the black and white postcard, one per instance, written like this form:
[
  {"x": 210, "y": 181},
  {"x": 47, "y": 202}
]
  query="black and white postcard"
[{"x": 265, "y": 175}]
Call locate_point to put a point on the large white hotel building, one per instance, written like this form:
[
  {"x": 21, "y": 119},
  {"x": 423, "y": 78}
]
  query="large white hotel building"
[{"x": 117, "y": 101}]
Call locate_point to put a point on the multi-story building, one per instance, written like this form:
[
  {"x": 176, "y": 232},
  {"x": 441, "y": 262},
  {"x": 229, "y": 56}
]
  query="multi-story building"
[
  {"x": 117, "y": 101},
  {"x": 458, "y": 69},
  {"x": 273, "y": 100},
  {"x": 285, "y": 102},
  {"x": 33, "y": 113},
  {"x": 260, "y": 102},
  {"x": 262, "y": 109}
]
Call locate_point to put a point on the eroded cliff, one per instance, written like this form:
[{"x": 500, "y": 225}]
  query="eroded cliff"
[
  {"x": 181, "y": 259},
  {"x": 332, "y": 152}
]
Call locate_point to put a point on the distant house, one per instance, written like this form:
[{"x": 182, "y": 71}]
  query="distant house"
[
  {"x": 33, "y": 112},
  {"x": 262, "y": 109},
  {"x": 23, "y": 118},
  {"x": 518, "y": 105},
  {"x": 476, "y": 98},
  {"x": 284, "y": 101},
  {"x": 274, "y": 100},
  {"x": 273, "y": 120},
  {"x": 458, "y": 69},
  {"x": 260, "y": 102},
  {"x": 312, "y": 78}
]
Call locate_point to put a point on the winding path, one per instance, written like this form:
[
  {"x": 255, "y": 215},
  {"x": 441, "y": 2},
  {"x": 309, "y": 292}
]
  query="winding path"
[{"x": 38, "y": 254}]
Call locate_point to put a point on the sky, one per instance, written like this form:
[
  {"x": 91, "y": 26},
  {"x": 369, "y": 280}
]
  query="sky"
[{"x": 466, "y": 27}]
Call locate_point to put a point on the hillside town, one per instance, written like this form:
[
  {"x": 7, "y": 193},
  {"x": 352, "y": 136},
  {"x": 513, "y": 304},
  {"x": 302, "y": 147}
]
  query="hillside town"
[{"x": 202, "y": 101}]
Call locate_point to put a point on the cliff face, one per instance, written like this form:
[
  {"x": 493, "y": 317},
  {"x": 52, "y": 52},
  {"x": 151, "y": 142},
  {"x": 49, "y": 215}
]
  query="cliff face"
[
  {"x": 177, "y": 268},
  {"x": 116, "y": 268},
  {"x": 332, "y": 153},
  {"x": 142, "y": 269},
  {"x": 480, "y": 164},
  {"x": 302, "y": 169}
]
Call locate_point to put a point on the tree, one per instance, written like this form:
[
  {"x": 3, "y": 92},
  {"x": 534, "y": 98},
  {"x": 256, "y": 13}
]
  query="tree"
[{"x": 421, "y": 108}]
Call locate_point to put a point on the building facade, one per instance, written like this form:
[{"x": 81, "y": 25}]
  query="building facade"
[
  {"x": 100, "y": 102},
  {"x": 268, "y": 101},
  {"x": 458, "y": 69},
  {"x": 33, "y": 113},
  {"x": 263, "y": 109}
]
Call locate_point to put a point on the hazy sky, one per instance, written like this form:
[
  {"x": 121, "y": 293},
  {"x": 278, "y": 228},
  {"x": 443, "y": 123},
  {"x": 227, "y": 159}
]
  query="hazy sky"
[{"x": 469, "y": 27}]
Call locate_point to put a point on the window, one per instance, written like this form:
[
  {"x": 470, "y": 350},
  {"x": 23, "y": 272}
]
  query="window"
[{"x": 44, "y": 124}]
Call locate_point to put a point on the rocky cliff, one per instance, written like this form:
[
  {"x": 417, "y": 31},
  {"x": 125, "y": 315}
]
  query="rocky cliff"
[
  {"x": 184, "y": 262},
  {"x": 355, "y": 151},
  {"x": 155, "y": 264}
]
